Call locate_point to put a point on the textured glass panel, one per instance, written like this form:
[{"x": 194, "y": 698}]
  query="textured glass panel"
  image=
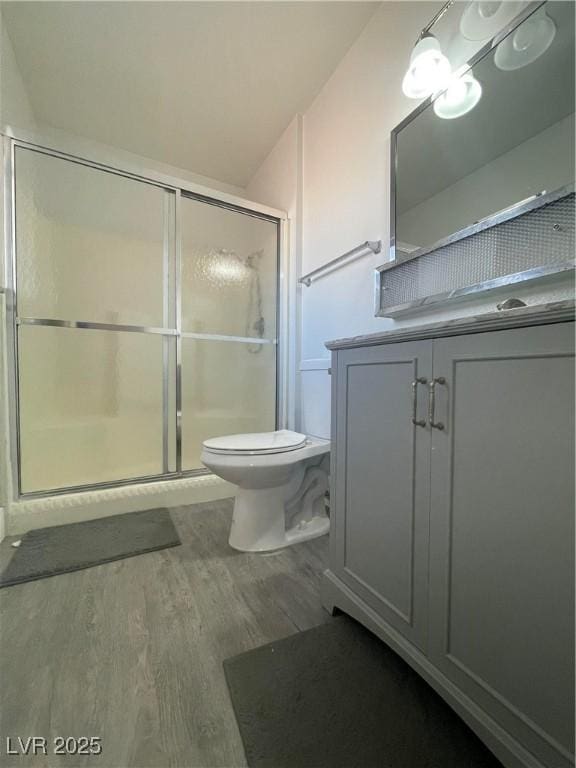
[
  {"x": 90, "y": 406},
  {"x": 89, "y": 243},
  {"x": 227, "y": 388},
  {"x": 229, "y": 271}
]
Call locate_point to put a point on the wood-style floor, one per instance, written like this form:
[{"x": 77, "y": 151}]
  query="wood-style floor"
[{"x": 132, "y": 651}]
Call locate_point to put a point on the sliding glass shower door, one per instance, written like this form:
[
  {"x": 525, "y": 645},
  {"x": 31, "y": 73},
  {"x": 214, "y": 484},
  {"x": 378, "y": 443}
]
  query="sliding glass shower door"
[
  {"x": 145, "y": 323},
  {"x": 229, "y": 277}
]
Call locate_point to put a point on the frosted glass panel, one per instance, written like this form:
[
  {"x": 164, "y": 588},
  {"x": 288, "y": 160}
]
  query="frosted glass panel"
[
  {"x": 227, "y": 388},
  {"x": 229, "y": 271},
  {"x": 99, "y": 406},
  {"x": 90, "y": 406},
  {"x": 89, "y": 243}
]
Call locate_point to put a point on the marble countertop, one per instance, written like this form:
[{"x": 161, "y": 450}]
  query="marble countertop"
[{"x": 541, "y": 314}]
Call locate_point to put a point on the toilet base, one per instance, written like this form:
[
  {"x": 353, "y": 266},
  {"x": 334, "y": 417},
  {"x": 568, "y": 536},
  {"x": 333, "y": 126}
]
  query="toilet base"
[
  {"x": 308, "y": 529},
  {"x": 259, "y": 522}
]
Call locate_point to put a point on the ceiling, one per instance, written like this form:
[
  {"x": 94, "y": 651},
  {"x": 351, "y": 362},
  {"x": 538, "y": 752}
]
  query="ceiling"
[{"x": 204, "y": 86}]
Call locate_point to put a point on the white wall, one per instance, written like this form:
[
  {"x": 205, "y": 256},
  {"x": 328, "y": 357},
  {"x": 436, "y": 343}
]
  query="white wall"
[
  {"x": 345, "y": 193},
  {"x": 15, "y": 107},
  {"x": 279, "y": 182}
]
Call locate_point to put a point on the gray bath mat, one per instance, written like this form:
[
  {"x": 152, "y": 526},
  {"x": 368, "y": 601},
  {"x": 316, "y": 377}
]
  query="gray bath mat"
[
  {"x": 337, "y": 697},
  {"x": 64, "y": 548}
]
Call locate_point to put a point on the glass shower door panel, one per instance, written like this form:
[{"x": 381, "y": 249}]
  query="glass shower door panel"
[
  {"x": 91, "y": 405},
  {"x": 89, "y": 243},
  {"x": 229, "y": 271},
  {"x": 227, "y": 388}
]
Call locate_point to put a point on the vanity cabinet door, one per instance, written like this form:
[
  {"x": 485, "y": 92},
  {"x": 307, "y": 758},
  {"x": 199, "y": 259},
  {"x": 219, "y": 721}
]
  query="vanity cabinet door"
[
  {"x": 502, "y": 530},
  {"x": 380, "y": 491}
]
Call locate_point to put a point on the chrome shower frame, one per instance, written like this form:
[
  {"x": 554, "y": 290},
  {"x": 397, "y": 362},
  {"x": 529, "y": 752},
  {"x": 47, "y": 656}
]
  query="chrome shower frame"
[{"x": 174, "y": 189}]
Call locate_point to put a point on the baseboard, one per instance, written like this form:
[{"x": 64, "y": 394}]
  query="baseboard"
[
  {"x": 74, "y": 507},
  {"x": 335, "y": 594}
]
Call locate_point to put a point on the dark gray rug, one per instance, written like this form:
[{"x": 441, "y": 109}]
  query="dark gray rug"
[
  {"x": 337, "y": 697},
  {"x": 64, "y": 548}
]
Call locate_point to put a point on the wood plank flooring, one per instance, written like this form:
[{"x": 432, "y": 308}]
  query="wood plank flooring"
[{"x": 132, "y": 651}]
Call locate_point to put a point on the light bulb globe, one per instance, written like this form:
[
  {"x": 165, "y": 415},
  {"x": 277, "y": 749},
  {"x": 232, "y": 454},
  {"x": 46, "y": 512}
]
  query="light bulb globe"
[
  {"x": 461, "y": 96},
  {"x": 429, "y": 69}
]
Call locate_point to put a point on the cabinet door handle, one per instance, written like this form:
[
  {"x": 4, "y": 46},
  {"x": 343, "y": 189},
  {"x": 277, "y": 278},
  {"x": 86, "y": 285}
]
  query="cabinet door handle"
[
  {"x": 415, "y": 421},
  {"x": 432, "y": 402}
]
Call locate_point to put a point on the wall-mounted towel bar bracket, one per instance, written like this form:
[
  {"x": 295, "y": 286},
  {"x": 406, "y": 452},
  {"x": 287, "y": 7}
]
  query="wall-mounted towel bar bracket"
[{"x": 371, "y": 245}]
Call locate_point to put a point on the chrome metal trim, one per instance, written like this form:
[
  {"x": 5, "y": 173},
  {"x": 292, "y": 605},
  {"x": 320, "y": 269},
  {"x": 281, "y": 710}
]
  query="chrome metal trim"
[
  {"x": 283, "y": 336},
  {"x": 228, "y": 206},
  {"x": 536, "y": 273},
  {"x": 120, "y": 166},
  {"x": 436, "y": 18},
  {"x": 221, "y": 337},
  {"x": 538, "y": 200},
  {"x": 372, "y": 245},
  {"x": 11, "y": 310},
  {"x": 393, "y": 171},
  {"x": 77, "y": 160},
  {"x": 165, "y": 322},
  {"x": 113, "y": 484},
  {"x": 531, "y": 8},
  {"x": 377, "y": 292},
  {"x": 178, "y": 283},
  {"x": 88, "y": 325},
  {"x": 91, "y": 326}
]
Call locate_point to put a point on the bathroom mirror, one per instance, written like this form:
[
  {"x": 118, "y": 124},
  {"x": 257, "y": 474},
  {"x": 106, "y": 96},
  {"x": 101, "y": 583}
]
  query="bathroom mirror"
[{"x": 497, "y": 143}]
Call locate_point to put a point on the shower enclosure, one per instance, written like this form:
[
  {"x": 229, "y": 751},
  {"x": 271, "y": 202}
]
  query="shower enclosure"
[{"x": 144, "y": 320}]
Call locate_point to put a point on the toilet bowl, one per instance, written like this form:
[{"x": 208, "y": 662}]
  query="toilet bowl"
[{"x": 282, "y": 479}]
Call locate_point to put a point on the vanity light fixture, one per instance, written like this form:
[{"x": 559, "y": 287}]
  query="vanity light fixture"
[
  {"x": 429, "y": 69},
  {"x": 532, "y": 38},
  {"x": 461, "y": 96}
]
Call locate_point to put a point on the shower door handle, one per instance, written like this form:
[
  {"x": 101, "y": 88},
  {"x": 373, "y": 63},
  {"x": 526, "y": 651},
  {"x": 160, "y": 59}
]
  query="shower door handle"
[{"x": 417, "y": 422}]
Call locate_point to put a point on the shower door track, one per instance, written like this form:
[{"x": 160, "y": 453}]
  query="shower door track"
[{"x": 172, "y": 202}]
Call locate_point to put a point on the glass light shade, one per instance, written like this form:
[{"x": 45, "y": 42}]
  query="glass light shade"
[
  {"x": 428, "y": 71},
  {"x": 482, "y": 19},
  {"x": 527, "y": 43},
  {"x": 460, "y": 97}
]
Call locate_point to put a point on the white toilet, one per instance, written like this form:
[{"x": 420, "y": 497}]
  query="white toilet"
[{"x": 282, "y": 479}]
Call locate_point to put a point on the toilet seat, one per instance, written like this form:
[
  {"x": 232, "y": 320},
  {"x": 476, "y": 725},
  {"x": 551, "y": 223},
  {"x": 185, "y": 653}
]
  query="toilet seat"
[{"x": 256, "y": 443}]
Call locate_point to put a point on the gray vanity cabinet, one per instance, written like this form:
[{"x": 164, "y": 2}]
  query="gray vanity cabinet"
[
  {"x": 453, "y": 537},
  {"x": 380, "y": 528},
  {"x": 502, "y": 529}
]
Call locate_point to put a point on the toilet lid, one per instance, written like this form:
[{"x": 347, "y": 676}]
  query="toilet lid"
[{"x": 257, "y": 442}]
